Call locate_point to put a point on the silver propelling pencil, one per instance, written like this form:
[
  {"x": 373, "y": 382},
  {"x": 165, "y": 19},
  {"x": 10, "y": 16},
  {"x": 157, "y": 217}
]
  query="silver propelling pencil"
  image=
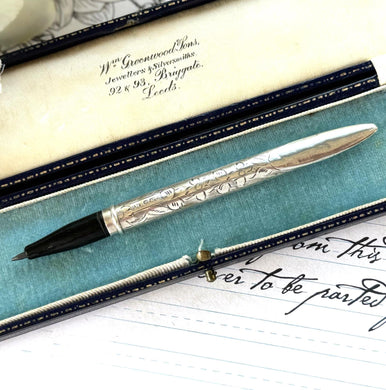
[{"x": 198, "y": 189}]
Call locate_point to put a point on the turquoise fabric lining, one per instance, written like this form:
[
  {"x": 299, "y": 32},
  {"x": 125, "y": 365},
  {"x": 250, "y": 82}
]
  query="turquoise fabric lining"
[{"x": 351, "y": 179}]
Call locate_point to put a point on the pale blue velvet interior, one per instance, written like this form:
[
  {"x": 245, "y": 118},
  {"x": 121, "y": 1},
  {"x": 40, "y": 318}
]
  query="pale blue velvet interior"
[{"x": 348, "y": 180}]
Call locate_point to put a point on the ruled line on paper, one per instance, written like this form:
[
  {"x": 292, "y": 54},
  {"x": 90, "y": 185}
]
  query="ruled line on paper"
[
  {"x": 246, "y": 340},
  {"x": 282, "y": 300},
  {"x": 283, "y": 323},
  {"x": 232, "y": 362},
  {"x": 236, "y": 332}
]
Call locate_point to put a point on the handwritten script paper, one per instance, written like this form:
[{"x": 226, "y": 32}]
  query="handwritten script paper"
[{"x": 312, "y": 316}]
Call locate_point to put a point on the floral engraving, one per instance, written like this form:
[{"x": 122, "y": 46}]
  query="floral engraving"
[{"x": 196, "y": 190}]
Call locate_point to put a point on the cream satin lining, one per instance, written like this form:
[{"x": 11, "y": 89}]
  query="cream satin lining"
[{"x": 214, "y": 55}]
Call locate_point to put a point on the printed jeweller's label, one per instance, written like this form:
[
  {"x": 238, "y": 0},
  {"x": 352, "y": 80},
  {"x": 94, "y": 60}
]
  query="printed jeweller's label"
[{"x": 154, "y": 74}]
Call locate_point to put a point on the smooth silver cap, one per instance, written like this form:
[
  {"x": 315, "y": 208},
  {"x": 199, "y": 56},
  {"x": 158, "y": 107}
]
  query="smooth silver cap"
[{"x": 320, "y": 146}]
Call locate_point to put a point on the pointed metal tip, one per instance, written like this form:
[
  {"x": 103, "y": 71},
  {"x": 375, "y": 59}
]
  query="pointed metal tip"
[
  {"x": 358, "y": 133},
  {"x": 368, "y": 128},
  {"x": 321, "y": 146},
  {"x": 344, "y": 138},
  {"x": 20, "y": 256}
]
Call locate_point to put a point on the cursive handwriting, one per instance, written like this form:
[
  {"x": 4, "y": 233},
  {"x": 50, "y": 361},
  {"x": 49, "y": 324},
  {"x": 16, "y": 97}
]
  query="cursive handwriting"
[
  {"x": 371, "y": 293},
  {"x": 270, "y": 280},
  {"x": 263, "y": 280},
  {"x": 366, "y": 248},
  {"x": 316, "y": 246}
]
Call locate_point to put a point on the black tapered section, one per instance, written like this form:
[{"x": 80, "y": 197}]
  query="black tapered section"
[{"x": 74, "y": 235}]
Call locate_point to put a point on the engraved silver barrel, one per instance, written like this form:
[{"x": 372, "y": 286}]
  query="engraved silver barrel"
[{"x": 233, "y": 177}]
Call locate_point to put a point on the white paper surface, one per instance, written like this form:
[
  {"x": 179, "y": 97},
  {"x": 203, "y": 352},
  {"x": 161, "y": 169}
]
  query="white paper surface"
[{"x": 299, "y": 318}]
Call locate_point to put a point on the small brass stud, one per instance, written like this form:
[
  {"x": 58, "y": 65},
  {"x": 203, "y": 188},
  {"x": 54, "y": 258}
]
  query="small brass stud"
[
  {"x": 203, "y": 255},
  {"x": 210, "y": 275}
]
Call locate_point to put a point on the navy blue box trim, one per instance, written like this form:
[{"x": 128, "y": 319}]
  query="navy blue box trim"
[
  {"x": 181, "y": 136},
  {"x": 98, "y": 30},
  {"x": 23, "y": 323}
]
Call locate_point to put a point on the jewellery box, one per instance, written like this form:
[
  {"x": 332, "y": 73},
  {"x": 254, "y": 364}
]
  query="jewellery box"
[{"x": 144, "y": 101}]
